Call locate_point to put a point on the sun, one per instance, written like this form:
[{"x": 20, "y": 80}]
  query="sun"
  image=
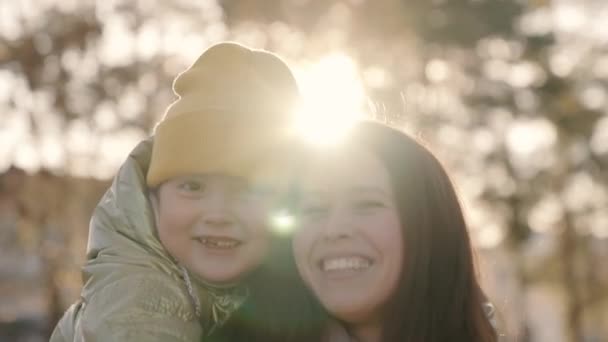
[{"x": 333, "y": 98}]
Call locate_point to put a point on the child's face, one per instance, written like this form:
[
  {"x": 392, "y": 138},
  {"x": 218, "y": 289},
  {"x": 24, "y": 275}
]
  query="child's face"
[{"x": 214, "y": 225}]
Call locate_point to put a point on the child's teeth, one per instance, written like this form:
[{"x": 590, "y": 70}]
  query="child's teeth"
[{"x": 215, "y": 243}]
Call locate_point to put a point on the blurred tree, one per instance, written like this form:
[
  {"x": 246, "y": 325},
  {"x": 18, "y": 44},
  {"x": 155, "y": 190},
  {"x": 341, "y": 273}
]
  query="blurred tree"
[{"x": 511, "y": 93}]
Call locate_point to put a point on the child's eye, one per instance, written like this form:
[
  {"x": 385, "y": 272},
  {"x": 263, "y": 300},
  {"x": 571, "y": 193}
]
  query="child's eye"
[
  {"x": 260, "y": 190},
  {"x": 192, "y": 185},
  {"x": 314, "y": 210},
  {"x": 253, "y": 193}
]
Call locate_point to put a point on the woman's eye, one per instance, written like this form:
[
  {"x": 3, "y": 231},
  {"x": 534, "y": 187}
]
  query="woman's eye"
[{"x": 368, "y": 204}]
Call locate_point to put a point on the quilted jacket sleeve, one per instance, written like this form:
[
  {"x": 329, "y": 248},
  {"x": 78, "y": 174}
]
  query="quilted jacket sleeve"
[{"x": 138, "y": 308}]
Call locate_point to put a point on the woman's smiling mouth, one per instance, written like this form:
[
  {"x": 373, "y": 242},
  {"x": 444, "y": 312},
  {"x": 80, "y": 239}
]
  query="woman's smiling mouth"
[{"x": 344, "y": 264}]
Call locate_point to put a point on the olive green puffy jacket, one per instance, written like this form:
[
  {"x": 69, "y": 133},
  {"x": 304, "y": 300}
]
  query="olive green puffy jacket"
[{"x": 133, "y": 290}]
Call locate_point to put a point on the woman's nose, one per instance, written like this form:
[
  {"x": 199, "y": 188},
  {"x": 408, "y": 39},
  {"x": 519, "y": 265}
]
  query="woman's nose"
[{"x": 339, "y": 224}]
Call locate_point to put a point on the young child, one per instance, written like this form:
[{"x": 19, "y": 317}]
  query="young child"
[{"x": 186, "y": 217}]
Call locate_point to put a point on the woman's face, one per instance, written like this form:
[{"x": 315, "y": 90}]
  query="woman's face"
[
  {"x": 348, "y": 246},
  {"x": 214, "y": 225}
]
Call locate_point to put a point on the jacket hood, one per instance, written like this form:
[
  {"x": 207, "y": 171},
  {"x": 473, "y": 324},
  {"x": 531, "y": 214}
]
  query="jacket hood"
[{"x": 122, "y": 232}]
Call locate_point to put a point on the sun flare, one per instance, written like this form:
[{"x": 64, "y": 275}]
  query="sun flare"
[{"x": 333, "y": 99}]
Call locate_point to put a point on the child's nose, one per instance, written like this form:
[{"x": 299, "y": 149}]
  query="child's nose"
[
  {"x": 218, "y": 220},
  {"x": 216, "y": 210}
]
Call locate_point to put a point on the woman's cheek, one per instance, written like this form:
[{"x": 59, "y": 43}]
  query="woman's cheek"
[{"x": 302, "y": 245}]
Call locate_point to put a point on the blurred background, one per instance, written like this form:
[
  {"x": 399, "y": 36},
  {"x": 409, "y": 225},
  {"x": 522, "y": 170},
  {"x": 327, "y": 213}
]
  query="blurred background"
[{"x": 512, "y": 95}]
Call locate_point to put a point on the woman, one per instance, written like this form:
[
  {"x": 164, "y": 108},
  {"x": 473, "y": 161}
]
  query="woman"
[{"x": 383, "y": 244}]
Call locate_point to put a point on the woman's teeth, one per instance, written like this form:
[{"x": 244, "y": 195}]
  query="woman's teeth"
[
  {"x": 344, "y": 264},
  {"x": 219, "y": 242}
]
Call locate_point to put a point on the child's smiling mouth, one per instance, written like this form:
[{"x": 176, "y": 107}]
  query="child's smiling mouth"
[{"x": 218, "y": 242}]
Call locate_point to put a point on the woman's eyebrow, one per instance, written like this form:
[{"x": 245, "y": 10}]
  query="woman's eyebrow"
[{"x": 366, "y": 189}]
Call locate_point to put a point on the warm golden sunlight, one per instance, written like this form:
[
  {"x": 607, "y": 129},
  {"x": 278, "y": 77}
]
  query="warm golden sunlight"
[
  {"x": 510, "y": 96},
  {"x": 333, "y": 98}
]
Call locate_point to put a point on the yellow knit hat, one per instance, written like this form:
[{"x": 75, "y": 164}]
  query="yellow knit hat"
[{"x": 233, "y": 111}]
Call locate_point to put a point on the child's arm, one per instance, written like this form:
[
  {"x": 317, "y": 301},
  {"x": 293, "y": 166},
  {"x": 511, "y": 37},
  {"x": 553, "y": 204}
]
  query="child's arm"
[{"x": 146, "y": 307}]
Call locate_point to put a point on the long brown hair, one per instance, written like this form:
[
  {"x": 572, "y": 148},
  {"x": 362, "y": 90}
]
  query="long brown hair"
[{"x": 438, "y": 297}]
